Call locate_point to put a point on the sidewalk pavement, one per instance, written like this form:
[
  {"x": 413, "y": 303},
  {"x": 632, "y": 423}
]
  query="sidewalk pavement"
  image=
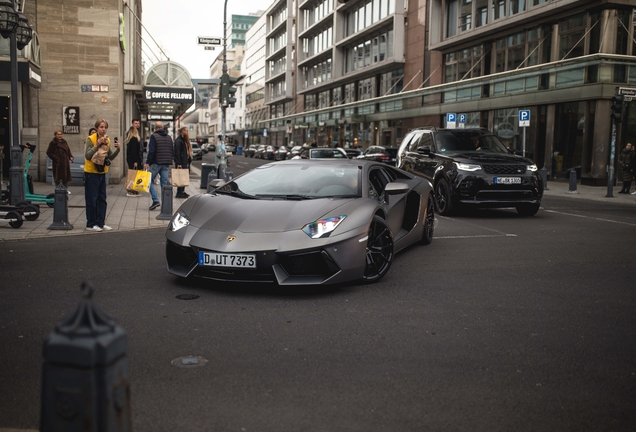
[
  {"x": 123, "y": 213},
  {"x": 129, "y": 213}
]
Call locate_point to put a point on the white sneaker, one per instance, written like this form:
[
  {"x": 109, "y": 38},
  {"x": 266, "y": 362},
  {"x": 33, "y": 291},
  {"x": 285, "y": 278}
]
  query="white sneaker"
[
  {"x": 68, "y": 192},
  {"x": 634, "y": 193},
  {"x": 107, "y": 228},
  {"x": 95, "y": 228}
]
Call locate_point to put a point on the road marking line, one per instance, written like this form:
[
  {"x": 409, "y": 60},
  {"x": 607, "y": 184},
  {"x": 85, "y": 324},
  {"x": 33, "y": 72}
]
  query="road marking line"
[
  {"x": 479, "y": 226},
  {"x": 589, "y": 217},
  {"x": 476, "y": 236}
]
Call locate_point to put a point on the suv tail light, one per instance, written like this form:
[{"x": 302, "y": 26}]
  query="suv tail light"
[{"x": 385, "y": 157}]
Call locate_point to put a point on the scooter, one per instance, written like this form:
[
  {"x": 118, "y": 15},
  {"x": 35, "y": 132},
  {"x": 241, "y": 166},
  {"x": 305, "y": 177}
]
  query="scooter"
[
  {"x": 17, "y": 213},
  {"x": 29, "y": 195}
]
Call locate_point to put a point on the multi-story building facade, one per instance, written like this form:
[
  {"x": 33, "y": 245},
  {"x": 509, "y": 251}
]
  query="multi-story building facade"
[
  {"x": 253, "y": 71},
  {"x": 374, "y": 69}
]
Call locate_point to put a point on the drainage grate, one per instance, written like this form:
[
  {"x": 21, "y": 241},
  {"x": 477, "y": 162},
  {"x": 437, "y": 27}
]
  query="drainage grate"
[{"x": 187, "y": 297}]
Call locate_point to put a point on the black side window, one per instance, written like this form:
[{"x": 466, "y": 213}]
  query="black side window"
[
  {"x": 427, "y": 140},
  {"x": 377, "y": 183}
]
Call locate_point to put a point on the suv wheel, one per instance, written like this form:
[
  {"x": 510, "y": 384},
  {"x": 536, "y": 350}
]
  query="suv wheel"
[
  {"x": 443, "y": 197},
  {"x": 528, "y": 209}
]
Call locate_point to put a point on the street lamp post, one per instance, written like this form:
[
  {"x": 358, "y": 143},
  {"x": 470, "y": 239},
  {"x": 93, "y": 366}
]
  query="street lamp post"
[
  {"x": 15, "y": 26},
  {"x": 224, "y": 68}
]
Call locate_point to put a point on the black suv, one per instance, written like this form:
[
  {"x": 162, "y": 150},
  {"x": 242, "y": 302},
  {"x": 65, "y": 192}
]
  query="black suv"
[{"x": 471, "y": 166}]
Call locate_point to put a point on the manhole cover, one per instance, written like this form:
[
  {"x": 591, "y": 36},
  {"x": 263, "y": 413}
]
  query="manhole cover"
[
  {"x": 187, "y": 296},
  {"x": 189, "y": 361}
]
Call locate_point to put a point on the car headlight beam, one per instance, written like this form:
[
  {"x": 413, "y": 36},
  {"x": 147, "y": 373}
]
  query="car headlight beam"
[
  {"x": 467, "y": 167},
  {"x": 179, "y": 220},
  {"x": 323, "y": 227}
]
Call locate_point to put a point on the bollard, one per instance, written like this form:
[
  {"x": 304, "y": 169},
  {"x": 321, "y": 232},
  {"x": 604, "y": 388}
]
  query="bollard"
[
  {"x": 211, "y": 176},
  {"x": 60, "y": 210},
  {"x": 207, "y": 169},
  {"x": 85, "y": 376},
  {"x": 166, "y": 203},
  {"x": 221, "y": 171},
  {"x": 544, "y": 177},
  {"x": 573, "y": 182}
]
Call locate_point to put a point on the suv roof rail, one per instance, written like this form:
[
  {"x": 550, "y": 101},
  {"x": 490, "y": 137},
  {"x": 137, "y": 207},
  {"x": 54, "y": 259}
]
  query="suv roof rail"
[{"x": 431, "y": 128}]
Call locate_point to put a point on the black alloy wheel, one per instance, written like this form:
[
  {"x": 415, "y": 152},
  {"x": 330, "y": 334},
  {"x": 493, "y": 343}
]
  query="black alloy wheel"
[
  {"x": 429, "y": 221},
  {"x": 379, "y": 253},
  {"x": 443, "y": 197}
]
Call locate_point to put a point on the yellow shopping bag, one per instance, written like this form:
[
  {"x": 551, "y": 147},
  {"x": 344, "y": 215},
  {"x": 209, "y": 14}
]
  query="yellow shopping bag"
[{"x": 142, "y": 181}]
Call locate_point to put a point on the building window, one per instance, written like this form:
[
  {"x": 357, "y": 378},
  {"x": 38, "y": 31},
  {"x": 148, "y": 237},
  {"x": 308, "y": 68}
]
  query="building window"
[
  {"x": 367, "y": 14},
  {"x": 451, "y": 18},
  {"x": 571, "y": 37},
  {"x": 368, "y": 52},
  {"x": 463, "y": 64}
]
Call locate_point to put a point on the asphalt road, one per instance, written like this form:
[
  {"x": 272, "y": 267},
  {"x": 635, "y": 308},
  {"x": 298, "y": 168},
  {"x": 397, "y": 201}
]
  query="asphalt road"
[{"x": 502, "y": 323}]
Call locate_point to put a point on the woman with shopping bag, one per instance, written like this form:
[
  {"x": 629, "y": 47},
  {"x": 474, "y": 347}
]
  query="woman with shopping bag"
[
  {"x": 182, "y": 159},
  {"x": 133, "y": 158}
]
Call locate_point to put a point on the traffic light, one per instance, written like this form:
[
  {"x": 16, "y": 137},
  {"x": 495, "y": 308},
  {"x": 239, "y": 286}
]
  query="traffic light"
[
  {"x": 227, "y": 92},
  {"x": 231, "y": 100},
  {"x": 617, "y": 108},
  {"x": 223, "y": 91}
]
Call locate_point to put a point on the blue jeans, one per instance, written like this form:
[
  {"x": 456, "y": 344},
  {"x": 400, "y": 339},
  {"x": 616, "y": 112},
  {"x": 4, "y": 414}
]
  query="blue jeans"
[
  {"x": 95, "y": 196},
  {"x": 162, "y": 170}
]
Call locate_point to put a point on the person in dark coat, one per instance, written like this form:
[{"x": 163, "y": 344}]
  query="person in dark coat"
[
  {"x": 627, "y": 160},
  {"x": 61, "y": 156},
  {"x": 133, "y": 154},
  {"x": 182, "y": 156},
  {"x": 160, "y": 157}
]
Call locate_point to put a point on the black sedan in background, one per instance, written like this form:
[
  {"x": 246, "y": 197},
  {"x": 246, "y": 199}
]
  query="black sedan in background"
[
  {"x": 249, "y": 152},
  {"x": 471, "y": 167},
  {"x": 353, "y": 153},
  {"x": 294, "y": 151},
  {"x": 382, "y": 154}
]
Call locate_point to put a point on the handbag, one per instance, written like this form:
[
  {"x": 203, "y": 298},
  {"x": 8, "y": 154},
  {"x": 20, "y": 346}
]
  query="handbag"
[
  {"x": 142, "y": 181},
  {"x": 180, "y": 177},
  {"x": 131, "y": 175}
]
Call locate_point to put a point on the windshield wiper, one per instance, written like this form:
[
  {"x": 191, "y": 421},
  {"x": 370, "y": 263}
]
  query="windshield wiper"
[
  {"x": 237, "y": 194},
  {"x": 287, "y": 196}
]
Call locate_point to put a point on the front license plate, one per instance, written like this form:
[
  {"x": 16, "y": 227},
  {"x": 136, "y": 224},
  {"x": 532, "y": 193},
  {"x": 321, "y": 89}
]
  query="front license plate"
[
  {"x": 507, "y": 180},
  {"x": 217, "y": 259}
]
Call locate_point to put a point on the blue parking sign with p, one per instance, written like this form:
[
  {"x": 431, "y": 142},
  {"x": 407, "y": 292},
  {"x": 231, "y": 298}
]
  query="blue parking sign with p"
[
  {"x": 524, "y": 118},
  {"x": 451, "y": 117}
]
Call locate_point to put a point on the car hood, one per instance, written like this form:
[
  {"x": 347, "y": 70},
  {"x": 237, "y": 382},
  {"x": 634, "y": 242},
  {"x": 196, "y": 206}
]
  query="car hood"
[
  {"x": 485, "y": 158},
  {"x": 227, "y": 214}
]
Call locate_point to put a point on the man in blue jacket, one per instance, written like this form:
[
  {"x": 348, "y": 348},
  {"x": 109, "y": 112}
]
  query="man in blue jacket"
[{"x": 160, "y": 157}]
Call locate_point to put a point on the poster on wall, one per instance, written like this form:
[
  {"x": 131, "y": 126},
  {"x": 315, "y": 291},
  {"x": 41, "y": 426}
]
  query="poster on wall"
[{"x": 71, "y": 120}]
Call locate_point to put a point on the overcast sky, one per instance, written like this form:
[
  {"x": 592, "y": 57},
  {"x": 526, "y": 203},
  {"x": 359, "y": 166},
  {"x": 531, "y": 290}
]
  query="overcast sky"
[{"x": 176, "y": 25}]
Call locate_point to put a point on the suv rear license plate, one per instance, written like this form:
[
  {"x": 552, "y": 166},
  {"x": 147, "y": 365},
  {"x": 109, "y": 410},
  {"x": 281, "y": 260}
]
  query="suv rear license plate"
[
  {"x": 216, "y": 259},
  {"x": 507, "y": 180}
]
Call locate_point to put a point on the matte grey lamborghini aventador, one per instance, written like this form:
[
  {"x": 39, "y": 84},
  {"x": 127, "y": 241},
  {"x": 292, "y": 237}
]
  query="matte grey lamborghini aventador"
[{"x": 302, "y": 222}]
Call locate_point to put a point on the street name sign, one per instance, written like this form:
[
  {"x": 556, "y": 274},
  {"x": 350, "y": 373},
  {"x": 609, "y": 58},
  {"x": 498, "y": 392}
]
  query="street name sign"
[
  {"x": 206, "y": 40},
  {"x": 629, "y": 93}
]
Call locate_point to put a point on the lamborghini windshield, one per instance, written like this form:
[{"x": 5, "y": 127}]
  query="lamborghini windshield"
[{"x": 297, "y": 181}]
